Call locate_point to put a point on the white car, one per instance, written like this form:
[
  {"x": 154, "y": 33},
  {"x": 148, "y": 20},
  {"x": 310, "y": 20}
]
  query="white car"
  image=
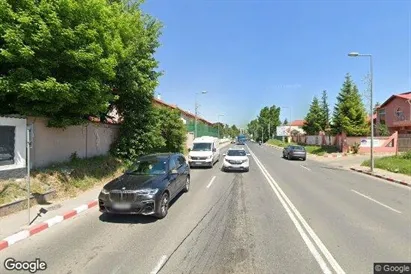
[{"x": 236, "y": 159}]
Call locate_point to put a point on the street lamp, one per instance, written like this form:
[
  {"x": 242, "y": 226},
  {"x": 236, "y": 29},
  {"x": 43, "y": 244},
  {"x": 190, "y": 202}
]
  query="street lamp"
[
  {"x": 356, "y": 54},
  {"x": 218, "y": 124},
  {"x": 196, "y": 112}
]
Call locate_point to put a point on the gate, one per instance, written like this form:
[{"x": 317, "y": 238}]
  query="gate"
[{"x": 404, "y": 142}]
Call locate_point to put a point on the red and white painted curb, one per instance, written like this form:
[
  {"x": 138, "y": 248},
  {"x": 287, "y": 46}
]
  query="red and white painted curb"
[
  {"x": 381, "y": 177},
  {"x": 19, "y": 236}
]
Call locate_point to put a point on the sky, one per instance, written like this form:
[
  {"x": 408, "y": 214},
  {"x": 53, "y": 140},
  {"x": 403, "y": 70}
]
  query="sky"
[{"x": 252, "y": 54}]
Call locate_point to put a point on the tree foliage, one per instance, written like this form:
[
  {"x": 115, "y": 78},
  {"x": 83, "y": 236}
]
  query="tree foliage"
[
  {"x": 69, "y": 59},
  {"x": 349, "y": 113},
  {"x": 314, "y": 118},
  {"x": 265, "y": 124},
  {"x": 172, "y": 130},
  {"x": 325, "y": 112},
  {"x": 285, "y": 122}
]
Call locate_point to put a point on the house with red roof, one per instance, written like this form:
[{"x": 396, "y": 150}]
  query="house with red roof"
[{"x": 395, "y": 112}]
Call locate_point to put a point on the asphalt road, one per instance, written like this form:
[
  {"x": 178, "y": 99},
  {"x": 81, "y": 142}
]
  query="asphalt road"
[{"x": 280, "y": 217}]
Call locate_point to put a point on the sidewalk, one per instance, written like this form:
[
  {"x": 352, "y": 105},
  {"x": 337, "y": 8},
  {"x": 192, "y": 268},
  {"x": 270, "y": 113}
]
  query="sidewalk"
[
  {"x": 18, "y": 221},
  {"x": 58, "y": 210},
  {"x": 384, "y": 174}
]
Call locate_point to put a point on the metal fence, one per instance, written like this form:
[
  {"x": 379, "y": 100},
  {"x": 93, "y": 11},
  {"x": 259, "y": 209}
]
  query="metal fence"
[{"x": 202, "y": 129}]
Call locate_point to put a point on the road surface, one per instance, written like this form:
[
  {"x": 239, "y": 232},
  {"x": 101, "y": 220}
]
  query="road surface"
[{"x": 280, "y": 217}]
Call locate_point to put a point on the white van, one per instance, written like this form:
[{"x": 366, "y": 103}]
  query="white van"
[{"x": 205, "y": 152}]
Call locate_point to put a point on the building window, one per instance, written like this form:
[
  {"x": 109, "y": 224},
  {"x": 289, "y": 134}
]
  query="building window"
[
  {"x": 381, "y": 115},
  {"x": 7, "y": 144},
  {"x": 399, "y": 115}
]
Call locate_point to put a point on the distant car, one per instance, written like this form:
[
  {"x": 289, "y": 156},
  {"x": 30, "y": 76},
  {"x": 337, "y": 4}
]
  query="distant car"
[
  {"x": 294, "y": 152},
  {"x": 233, "y": 141},
  {"x": 236, "y": 159},
  {"x": 148, "y": 187}
]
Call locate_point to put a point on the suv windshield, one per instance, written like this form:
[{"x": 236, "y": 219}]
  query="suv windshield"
[
  {"x": 153, "y": 166},
  {"x": 236, "y": 152},
  {"x": 201, "y": 147}
]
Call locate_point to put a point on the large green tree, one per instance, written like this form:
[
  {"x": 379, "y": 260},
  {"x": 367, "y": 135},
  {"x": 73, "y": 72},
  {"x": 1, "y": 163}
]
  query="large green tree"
[
  {"x": 172, "y": 130},
  {"x": 57, "y": 58},
  {"x": 313, "y": 119},
  {"x": 349, "y": 113},
  {"x": 325, "y": 112}
]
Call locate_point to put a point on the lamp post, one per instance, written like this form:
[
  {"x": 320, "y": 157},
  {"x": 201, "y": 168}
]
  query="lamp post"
[
  {"x": 196, "y": 112},
  {"x": 356, "y": 54},
  {"x": 218, "y": 124}
]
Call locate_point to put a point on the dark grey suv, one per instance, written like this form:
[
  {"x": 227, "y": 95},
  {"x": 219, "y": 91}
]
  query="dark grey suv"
[{"x": 148, "y": 187}]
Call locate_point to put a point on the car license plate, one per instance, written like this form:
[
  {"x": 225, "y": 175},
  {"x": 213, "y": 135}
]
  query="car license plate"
[{"x": 121, "y": 206}]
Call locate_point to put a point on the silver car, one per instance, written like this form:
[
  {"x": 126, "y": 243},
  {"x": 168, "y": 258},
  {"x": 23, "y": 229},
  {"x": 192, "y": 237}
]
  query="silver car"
[
  {"x": 236, "y": 159},
  {"x": 295, "y": 152}
]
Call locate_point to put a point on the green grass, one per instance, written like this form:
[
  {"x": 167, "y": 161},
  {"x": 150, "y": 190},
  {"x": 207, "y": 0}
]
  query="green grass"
[
  {"x": 279, "y": 143},
  {"x": 318, "y": 150},
  {"x": 68, "y": 179},
  {"x": 398, "y": 164}
]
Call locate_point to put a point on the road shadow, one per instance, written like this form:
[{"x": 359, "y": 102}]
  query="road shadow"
[{"x": 133, "y": 219}]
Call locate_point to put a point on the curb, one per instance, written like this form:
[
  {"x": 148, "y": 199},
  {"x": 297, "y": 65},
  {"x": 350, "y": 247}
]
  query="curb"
[
  {"x": 24, "y": 234},
  {"x": 381, "y": 177}
]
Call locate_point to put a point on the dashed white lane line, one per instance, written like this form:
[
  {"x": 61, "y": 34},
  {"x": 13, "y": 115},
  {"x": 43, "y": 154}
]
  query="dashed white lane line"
[
  {"x": 301, "y": 224},
  {"x": 211, "y": 182},
  {"x": 375, "y": 201},
  {"x": 305, "y": 167},
  {"x": 159, "y": 264}
]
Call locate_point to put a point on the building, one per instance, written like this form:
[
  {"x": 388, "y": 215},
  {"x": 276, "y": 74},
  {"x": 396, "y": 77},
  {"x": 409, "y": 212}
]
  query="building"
[
  {"x": 395, "y": 112},
  {"x": 296, "y": 127}
]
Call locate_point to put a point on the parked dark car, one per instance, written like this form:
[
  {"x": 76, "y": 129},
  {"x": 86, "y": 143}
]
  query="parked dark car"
[
  {"x": 295, "y": 152},
  {"x": 148, "y": 187}
]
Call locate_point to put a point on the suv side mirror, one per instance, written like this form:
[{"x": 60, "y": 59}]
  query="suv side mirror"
[
  {"x": 248, "y": 154},
  {"x": 214, "y": 149},
  {"x": 189, "y": 149},
  {"x": 224, "y": 154}
]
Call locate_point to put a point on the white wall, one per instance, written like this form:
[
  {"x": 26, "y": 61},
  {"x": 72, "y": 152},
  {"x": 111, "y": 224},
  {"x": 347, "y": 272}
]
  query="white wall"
[{"x": 20, "y": 141}]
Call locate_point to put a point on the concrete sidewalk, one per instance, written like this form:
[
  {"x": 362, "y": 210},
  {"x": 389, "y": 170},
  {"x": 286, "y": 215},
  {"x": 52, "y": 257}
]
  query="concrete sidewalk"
[
  {"x": 384, "y": 174},
  {"x": 18, "y": 221}
]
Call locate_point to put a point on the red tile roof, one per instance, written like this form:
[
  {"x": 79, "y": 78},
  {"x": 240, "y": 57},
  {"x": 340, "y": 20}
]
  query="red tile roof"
[
  {"x": 404, "y": 95},
  {"x": 297, "y": 123},
  {"x": 189, "y": 114}
]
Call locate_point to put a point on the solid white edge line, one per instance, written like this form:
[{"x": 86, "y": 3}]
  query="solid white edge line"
[
  {"x": 310, "y": 231},
  {"x": 375, "y": 201},
  {"x": 81, "y": 208},
  {"x": 159, "y": 264},
  {"x": 55, "y": 220},
  {"x": 305, "y": 167},
  {"x": 211, "y": 182},
  {"x": 17, "y": 237}
]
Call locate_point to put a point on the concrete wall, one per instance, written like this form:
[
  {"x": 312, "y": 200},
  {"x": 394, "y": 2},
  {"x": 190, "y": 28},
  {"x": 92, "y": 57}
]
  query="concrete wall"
[
  {"x": 57, "y": 145},
  {"x": 16, "y": 170}
]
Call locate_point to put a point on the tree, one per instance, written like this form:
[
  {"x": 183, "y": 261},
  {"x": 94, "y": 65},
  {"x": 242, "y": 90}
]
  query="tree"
[
  {"x": 234, "y": 131},
  {"x": 172, "y": 130},
  {"x": 349, "y": 113},
  {"x": 285, "y": 122},
  {"x": 325, "y": 112},
  {"x": 57, "y": 58},
  {"x": 382, "y": 130},
  {"x": 313, "y": 119}
]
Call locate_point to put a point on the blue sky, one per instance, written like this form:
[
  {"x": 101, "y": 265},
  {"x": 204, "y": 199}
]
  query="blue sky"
[{"x": 251, "y": 54}]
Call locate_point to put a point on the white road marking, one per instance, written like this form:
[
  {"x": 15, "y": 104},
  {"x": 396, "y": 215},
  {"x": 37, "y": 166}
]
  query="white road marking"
[
  {"x": 294, "y": 215},
  {"x": 305, "y": 167},
  {"x": 211, "y": 182},
  {"x": 159, "y": 264},
  {"x": 375, "y": 201}
]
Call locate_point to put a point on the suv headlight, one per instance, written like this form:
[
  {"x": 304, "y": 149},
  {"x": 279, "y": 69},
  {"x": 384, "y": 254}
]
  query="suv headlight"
[
  {"x": 147, "y": 191},
  {"x": 105, "y": 191},
  {"x": 210, "y": 157}
]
